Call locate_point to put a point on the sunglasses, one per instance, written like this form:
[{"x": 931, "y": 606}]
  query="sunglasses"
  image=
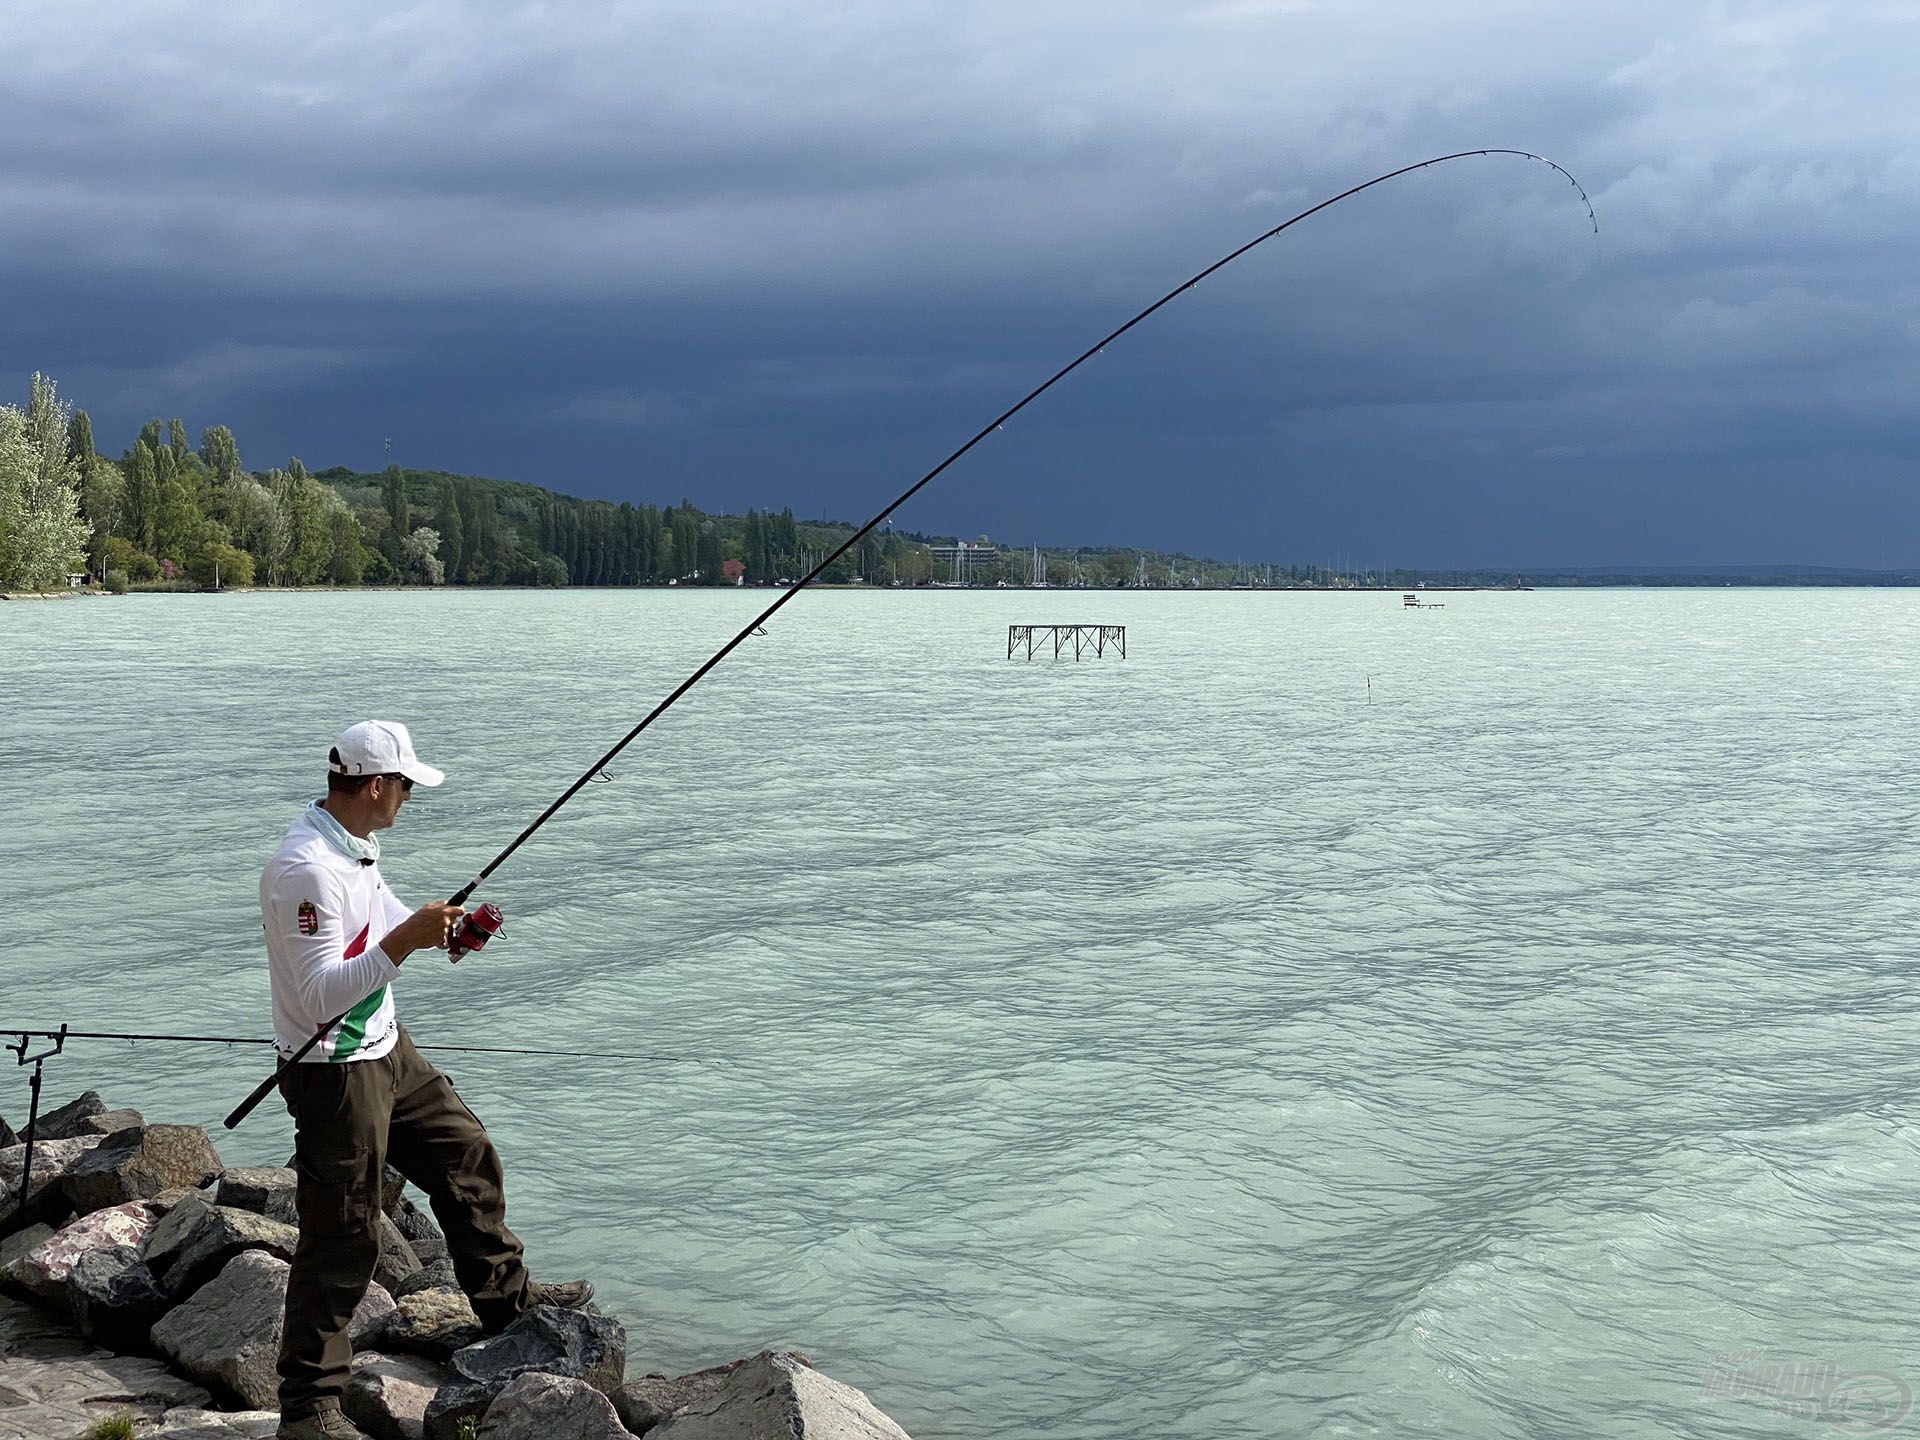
[{"x": 406, "y": 784}]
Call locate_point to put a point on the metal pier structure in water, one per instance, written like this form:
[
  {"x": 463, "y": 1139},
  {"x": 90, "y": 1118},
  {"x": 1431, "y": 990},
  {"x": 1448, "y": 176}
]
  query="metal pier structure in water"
[{"x": 1083, "y": 638}]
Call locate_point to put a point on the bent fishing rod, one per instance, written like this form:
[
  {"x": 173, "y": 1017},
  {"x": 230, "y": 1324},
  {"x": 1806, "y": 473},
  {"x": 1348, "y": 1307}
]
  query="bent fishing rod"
[{"x": 754, "y": 625}]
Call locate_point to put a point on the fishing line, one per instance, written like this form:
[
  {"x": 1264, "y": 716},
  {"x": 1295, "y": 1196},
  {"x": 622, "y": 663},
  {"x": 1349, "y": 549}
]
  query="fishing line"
[
  {"x": 65, "y": 1034},
  {"x": 757, "y": 624}
]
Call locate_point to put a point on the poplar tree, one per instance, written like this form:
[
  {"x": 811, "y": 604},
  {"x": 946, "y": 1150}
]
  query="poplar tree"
[
  {"x": 709, "y": 552},
  {"x": 628, "y": 546},
  {"x": 447, "y": 520},
  {"x": 177, "y": 441},
  {"x": 176, "y": 519},
  {"x": 474, "y": 507},
  {"x": 80, "y": 440},
  {"x": 393, "y": 496},
  {"x": 220, "y": 453},
  {"x": 142, "y": 498}
]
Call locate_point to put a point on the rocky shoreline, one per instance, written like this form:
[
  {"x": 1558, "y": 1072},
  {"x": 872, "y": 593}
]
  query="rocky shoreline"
[{"x": 143, "y": 1279}]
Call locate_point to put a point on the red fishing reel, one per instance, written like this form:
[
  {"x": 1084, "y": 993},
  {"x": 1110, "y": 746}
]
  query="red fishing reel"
[{"x": 478, "y": 927}]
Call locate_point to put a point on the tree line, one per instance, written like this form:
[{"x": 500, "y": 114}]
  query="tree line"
[{"x": 167, "y": 513}]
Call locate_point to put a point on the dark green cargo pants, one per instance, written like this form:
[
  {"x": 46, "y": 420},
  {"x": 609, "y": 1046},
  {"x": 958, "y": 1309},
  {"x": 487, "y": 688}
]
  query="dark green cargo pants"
[{"x": 350, "y": 1120}]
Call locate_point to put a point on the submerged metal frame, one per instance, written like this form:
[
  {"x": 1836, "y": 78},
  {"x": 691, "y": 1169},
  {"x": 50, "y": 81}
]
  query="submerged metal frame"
[{"x": 1085, "y": 637}]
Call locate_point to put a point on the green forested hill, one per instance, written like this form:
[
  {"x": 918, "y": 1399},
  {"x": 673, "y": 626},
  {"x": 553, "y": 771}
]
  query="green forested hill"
[{"x": 169, "y": 514}]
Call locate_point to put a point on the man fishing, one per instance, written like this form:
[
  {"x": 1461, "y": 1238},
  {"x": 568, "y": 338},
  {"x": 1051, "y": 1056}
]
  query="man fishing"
[{"x": 364, "y": 1097}]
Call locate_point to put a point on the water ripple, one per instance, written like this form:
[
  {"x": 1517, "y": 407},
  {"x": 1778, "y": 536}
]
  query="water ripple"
[{"x": 1182, "y": 1047}]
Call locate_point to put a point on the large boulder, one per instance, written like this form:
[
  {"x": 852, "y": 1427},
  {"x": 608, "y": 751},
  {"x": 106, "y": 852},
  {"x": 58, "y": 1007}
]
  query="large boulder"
[
  {"x": 434, "y": 1275},
  {"x": 576, "y": 1344},
  {"x": 15, "y": 1247},
  {"x": 264, "y": 1189},
  {"x": 434, "y": 1323},
  {"x": 423, "y": 1236},
  {"x": 7, "y": 1137},
  {"x": 387, "y": 1395},
  {"x": 110, "y": 1122},
  {"x": 115, "y": 1299},
  {"x": 54, "y": 1385},
  {"x": 43, "y": 1270},
  {"x": 217, "y": 1235},
  {"x": 196, "y": 1424},
  {"x": 775, "y": 1396},
  {"x": 397, "y": 1260},
  {"x": 140, "y": 1163},
  {"x": 46, "y": 1200},
  {"x": 644, "y": 1403},
  {"x": 539, "y": 1406},
  {"x": 227, "y": 1336},
  {"x": 176, "y": 1226},
  {"x": 68, "y": 1121}
]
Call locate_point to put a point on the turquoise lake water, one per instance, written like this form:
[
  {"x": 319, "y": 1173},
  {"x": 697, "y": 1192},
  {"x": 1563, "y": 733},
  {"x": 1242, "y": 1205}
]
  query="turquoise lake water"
[{"x": 1331, "y": 1019}]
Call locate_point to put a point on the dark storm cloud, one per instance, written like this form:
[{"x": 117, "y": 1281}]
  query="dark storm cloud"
[{"x": 778, "y": 254}]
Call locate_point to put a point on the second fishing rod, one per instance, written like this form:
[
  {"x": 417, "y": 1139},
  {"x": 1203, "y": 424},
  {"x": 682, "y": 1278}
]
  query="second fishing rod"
[{"x": 484, "y": 922}]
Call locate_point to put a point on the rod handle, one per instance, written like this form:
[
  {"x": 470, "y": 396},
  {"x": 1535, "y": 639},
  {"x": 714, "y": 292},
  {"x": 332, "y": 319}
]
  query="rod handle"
[{"x": 246, "y": 1106}]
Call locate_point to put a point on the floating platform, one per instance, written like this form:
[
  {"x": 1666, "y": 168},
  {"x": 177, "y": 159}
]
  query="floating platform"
[
  {"x": 1414, "y": 602},
  {"x": 1083, "y": 638}
]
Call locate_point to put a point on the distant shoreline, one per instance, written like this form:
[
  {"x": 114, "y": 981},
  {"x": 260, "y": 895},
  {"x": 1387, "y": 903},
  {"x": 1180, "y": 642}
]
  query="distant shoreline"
[{"x": 1663, "y": 582}]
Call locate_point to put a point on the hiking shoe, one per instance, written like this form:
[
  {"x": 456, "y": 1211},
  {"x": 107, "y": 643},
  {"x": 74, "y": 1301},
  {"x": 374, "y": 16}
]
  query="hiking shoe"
[
  {"x": 328, "y": 1424},
  {"x": 568, "y": 1295}
]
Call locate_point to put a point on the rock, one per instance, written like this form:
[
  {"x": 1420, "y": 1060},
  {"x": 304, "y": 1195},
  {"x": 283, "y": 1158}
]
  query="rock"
[
  {"x": 176, "y": 1227},
  {"x": 54, "y": 1385},
  {"x": 44, "y": 1269},
  {"x": 15, "y": 1246},
  {"x": 264, "y": 1189},
  {"x": 216, "y": 1236},
  {"x": 435, "y": 1275},
  {"x": 65, "y": 1123},
  {"x": 393, "y": 1187},
  {"x": 387, "y": 1395},
  {"x": 139, "y": 1163},
  {"x": 193, "y": 1424},
  {"x": 434, "y": 1323},
  {"x": 227, "y": 1336},
  {"x": 569, "y": 1343},
  {"x": 51, "y": 1161},
  {"x": 644, "y": 1403},
  {"x": 423, "y": 1236},
  {"x": 110, "y": 1122},
  {"x": 774, "y": 1396},
  {"x": 397, "y": 1260},
  {"x": 415, "y": 1223},
  {"x": 538, "y": 1406},
  {"x": 7, "y": 1137},
  {"x": 115, "y": 1298},
  {"x": 165, "y": 1201}
]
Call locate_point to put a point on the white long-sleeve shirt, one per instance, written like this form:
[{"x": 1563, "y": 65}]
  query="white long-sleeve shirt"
[{"x": 325, "y": 915}]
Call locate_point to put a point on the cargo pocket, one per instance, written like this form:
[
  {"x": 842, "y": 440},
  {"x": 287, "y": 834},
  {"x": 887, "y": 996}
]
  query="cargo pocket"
[{"x": 335, "y": 1194}]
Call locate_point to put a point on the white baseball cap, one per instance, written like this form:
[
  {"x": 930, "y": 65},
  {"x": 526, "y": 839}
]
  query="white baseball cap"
[{"x": 381, "y": 747}]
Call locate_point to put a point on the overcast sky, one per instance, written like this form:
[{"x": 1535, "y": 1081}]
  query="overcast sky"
[{"x": 760, "y": 254}]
